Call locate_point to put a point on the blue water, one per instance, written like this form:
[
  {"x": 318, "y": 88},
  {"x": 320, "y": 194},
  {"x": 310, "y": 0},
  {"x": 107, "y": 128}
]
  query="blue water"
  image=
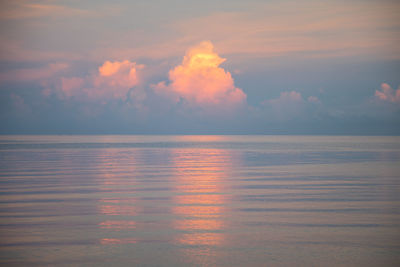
[{"x": 199, "y": 201}]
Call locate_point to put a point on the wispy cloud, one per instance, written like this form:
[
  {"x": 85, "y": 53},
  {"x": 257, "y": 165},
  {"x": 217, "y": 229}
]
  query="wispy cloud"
[
  {"x": 313, "y": 28},
  {"x": 32, "y": 74},
  {"x": 277, "y": 28},
  {"x": 15, "y": 51},
  {"x": 14, "y": 10}
]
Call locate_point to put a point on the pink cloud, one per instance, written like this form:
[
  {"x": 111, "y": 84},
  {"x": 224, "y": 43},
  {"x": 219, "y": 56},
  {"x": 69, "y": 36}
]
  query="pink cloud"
[
  {"x": 71, "y": 86},
  {"x": 388, "y": 94},
  {"x": 200, "y": 80},
  {"x": 116, "y": 78},
  {"x": 112, "y": 81}
]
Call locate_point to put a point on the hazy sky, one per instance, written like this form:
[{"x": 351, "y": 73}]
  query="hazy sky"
[{"x": 200, "y": 67}]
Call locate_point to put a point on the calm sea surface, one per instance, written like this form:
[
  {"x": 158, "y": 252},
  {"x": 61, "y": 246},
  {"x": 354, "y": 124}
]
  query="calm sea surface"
[{"x": 199, "y": 201}]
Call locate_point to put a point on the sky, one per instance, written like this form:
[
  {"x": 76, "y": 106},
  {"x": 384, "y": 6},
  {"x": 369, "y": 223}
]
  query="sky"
[{"x": 200, "y": 67}]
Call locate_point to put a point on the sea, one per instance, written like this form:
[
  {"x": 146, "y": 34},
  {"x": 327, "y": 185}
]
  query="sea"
[{"x": 210, "y": 200}]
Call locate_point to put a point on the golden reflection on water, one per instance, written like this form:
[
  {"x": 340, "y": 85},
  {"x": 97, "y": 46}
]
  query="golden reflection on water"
[
  {"x": 118, "y": 225},
  {"x": 114, "y": 210},
  {"x": 203, "y": 239},
  {"x": 196, "y": 185},
  {"x": 114, "y": 207},
  {"x": 199, "y": 224},
  {"x": 200, "y": 199},
  {"x": 167, "y": 204},
  {"x": 117, "y": 241},
  {"x": 202, "y": 138},
  {"x": 200, "y": 203},
  {"x": 198, "y": 211}
]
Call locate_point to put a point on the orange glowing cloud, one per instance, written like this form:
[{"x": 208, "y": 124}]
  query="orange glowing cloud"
[
  {"x": 111, "y": 68},
  {"x": 388, "y": 94},
  {"x": 116, "y": 78},
  {"x": 200, "y": 81}
]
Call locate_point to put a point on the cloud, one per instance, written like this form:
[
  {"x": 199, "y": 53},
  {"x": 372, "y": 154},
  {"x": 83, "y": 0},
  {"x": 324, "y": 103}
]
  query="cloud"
[
  {"x": 32, "y": 74},
  {"x": 24, "y": 9},
  {"x": 116, "y": 78},
  {"x": 313, "y": 29},
  {"x": 292, "y": 97},
  {"x": 287, "y": 106},
  {"x": 292, "y": 106},
  {"x": 71, "y": 86},
  {"x": 19, "y": 104},
  {"x": 113, "y": 80},
  {"x": 388, "y": 94},
  {"x": 313, "y": 99},
  {"x": 17, "y": 51},
  {"x": 200, "y": 82}
]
